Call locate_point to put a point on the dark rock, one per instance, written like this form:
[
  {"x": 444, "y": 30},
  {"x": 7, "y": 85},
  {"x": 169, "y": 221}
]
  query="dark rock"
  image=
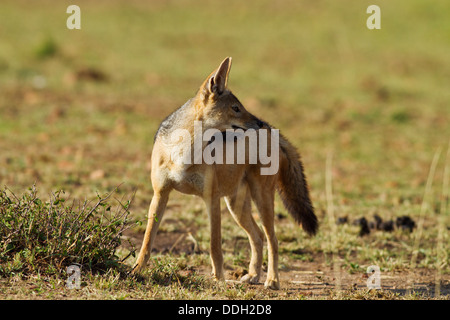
[
  {"x": 341, "y": 220},
  {"x": 362, "y": 222},
  {"x": 387, "y": 225},
  {"x": 378, "y": 221},
  {"x": 405, "y": 223}
]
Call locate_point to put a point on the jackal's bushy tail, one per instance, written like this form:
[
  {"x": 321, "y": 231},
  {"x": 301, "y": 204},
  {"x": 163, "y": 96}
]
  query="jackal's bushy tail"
[{"x": 293, "y": 188}]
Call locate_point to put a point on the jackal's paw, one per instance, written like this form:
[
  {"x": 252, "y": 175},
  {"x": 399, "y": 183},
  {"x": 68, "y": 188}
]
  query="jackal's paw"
[
  {"x": 272, "y": 284},
  {"x": 248, "y": 278},
  {"x": 137, "y": 268},
  {"x": 218, "y": 277}
]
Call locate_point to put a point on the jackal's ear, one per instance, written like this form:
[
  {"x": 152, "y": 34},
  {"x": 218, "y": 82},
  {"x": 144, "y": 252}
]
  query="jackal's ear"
[{"x": 216, "y": 83}]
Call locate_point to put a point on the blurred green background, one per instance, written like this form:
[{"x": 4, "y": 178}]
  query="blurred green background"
[{"x": 79, "y": 109}]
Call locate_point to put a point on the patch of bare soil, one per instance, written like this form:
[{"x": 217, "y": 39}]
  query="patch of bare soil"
[{"x": 318, "y": 279}]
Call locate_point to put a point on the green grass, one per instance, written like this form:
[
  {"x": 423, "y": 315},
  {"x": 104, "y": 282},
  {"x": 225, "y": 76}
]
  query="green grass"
[{"x": 377, "y": 100}]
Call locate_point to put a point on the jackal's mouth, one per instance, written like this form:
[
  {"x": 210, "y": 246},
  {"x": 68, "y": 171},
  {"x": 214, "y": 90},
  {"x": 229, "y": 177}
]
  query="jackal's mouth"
[{"x": 237, "y": 127}]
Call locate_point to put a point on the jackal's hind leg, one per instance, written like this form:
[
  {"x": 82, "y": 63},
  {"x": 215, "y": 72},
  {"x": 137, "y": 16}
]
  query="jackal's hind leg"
[
  {"x": 264, "y": 201},
  {"x": 240, "y": 208}
]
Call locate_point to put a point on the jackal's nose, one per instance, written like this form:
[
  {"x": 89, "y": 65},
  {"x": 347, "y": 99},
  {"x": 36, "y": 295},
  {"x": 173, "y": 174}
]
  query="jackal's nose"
[{"x": 260, "y": 123}]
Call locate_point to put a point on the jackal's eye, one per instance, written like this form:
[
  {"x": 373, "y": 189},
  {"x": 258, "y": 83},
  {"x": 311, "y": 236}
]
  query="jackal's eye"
[{"x": 235, "y": 108}]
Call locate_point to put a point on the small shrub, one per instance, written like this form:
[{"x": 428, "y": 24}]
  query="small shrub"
[{"x": 46, "y": 237}]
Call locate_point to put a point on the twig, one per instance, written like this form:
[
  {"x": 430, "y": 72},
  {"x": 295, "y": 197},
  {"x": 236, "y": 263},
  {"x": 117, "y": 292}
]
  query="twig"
[
  {"x": 332, "y": 219},
  {"x": 423, "y": 208},
  {"x": 442, "y": 216}
]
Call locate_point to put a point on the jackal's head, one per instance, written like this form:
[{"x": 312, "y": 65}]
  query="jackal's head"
[{"x": 217, "y": 107}]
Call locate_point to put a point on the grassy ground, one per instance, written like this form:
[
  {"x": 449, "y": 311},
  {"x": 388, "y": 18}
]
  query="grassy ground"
[{"x": 79, "y": 108}]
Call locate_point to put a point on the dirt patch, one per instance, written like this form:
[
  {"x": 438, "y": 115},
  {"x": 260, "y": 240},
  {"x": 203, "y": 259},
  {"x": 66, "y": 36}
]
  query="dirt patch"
[{"x": 318, "y": 279}]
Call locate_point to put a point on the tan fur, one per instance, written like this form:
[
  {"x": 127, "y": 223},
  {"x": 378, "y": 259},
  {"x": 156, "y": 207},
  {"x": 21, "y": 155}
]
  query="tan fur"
[{"x": 238, "y": 183}]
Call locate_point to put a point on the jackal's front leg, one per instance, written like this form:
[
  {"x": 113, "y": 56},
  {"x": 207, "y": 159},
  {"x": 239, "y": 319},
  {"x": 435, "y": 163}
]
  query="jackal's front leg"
[
  {"x": 213, "y": 209},
  {"x": 212, "y": 202},
  {"x": 155, "y": 214}
]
